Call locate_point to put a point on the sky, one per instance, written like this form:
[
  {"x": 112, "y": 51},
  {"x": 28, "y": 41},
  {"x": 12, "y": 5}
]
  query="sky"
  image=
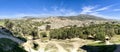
[{"x": 18, "y": 8}]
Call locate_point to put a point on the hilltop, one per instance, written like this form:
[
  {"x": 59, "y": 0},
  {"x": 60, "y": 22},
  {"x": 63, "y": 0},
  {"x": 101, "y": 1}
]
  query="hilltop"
[{"x": 82, "y": 17}]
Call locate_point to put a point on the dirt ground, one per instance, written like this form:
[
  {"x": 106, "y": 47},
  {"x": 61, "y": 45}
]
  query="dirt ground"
[{"x": 69, "y": 45}]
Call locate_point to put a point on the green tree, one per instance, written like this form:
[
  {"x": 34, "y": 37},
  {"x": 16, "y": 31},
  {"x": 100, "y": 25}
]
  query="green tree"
[
  {"x": 48, "y": 27},
  {"x": 9, "y": 24}
]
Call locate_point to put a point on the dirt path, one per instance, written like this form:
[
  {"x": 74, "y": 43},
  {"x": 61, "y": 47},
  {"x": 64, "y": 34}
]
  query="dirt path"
[
  {"x": 60, "y": 48},
  {"x": 73, "y": 46},
  {"x": 76, "y": 46}
]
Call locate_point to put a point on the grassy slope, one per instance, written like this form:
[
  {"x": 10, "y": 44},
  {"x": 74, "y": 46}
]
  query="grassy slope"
[
  {"x": 1, "y": 23},
  {"x": 115, "y": 39}
]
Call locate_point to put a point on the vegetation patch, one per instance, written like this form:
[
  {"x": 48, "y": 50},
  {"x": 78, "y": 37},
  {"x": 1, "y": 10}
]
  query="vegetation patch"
[
  {"x": 2, "y": 23},
  {"x": 96, "y": 31},
  {"x": 35, "y": 46},
  {"x": 99, "y": 47},
  {"x": 7, "y": 45},
  {"x": 21, "y": 38}
]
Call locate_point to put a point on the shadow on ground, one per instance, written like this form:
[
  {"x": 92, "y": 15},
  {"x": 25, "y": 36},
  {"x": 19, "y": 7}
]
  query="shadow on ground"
[{"x": 99, "y": 48}]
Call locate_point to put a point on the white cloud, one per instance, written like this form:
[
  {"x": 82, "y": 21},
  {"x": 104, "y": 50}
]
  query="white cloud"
[
  {"x": 116, "y": 9},
  {"x": 92, "y": 10},
  {"x": 58, "y": 11},
  {"x": 104, "y": 16},
  {"x": 87, "y": 9},
  {"x": 104, "y": 8},
  {"x": 96, "y": 11}
]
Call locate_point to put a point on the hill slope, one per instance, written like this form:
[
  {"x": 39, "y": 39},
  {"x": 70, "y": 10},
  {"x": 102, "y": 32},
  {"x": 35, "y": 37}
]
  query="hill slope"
[{"x": 83, "y": 17}]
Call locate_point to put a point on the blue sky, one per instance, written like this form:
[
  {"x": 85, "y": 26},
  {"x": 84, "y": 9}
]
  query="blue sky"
[{"x": 18, "y": 8}]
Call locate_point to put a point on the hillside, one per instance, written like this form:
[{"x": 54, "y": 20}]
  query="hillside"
[
  {"x": 56, "y": 34},
  {"x": 82, "y": 17},
  {"x": 62, "y": 21}
]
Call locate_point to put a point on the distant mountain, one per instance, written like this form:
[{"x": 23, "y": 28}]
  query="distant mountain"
[
  {"x": 78, "y": 17},
  {"x": 82, "y": 17}
]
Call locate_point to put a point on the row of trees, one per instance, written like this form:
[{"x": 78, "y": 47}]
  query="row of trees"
[{"x": 97, "y": 31}]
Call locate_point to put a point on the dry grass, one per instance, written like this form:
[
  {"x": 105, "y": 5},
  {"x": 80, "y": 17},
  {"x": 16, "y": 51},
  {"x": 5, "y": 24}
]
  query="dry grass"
[{"x": 115, "y": 39}]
